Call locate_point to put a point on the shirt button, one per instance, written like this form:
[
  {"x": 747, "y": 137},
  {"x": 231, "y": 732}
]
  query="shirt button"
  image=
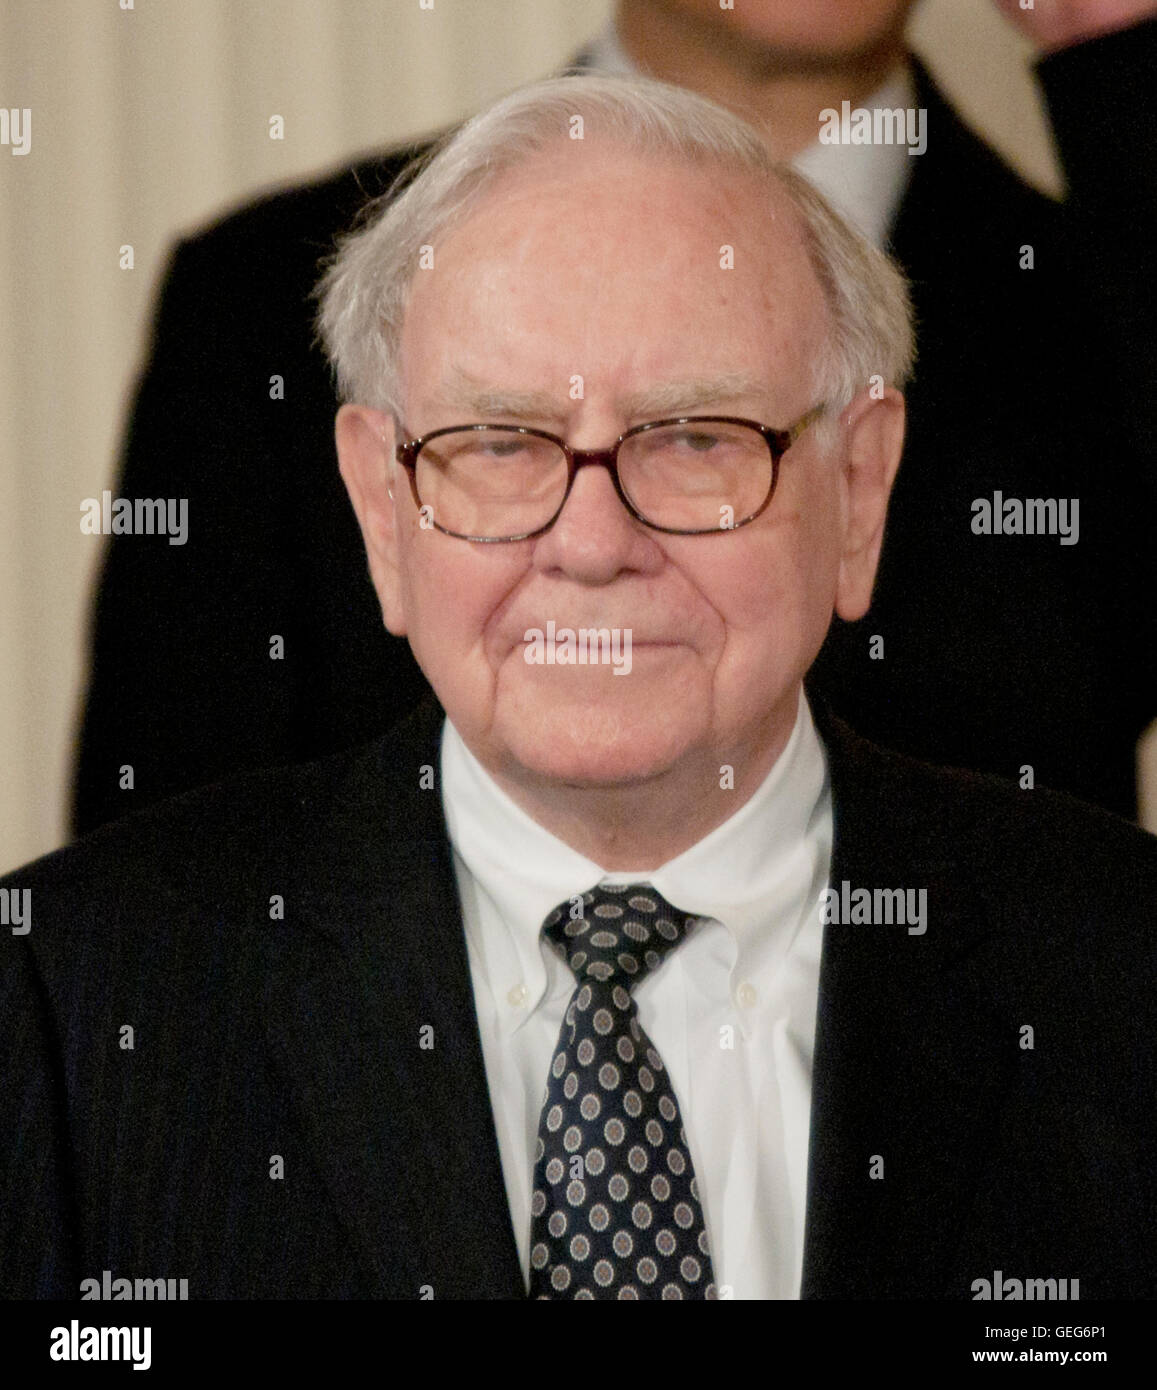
[
  {"x": 747, "y": 996},
  {"x": 516, "y": 996}
]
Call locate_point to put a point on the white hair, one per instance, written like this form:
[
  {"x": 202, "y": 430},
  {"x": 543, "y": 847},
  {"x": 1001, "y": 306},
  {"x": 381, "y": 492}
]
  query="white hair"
[{"x": 365, "y": 288}]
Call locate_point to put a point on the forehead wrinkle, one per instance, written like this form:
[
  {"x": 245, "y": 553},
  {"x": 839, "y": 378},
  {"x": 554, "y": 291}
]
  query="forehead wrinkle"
[
  {"x": 462, "y": 388},
  {"x": 479, "y": 395}
]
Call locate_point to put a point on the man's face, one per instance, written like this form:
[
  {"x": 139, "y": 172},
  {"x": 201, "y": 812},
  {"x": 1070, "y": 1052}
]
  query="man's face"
[{"x": 591, "y": 265}]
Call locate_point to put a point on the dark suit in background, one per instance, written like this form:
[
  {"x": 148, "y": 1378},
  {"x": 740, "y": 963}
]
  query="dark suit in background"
[
  {"x": 300, "y": 1038},
  {"x": 998, "y": 651}
]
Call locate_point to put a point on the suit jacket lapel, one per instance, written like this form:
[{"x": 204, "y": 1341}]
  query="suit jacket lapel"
[
  {"x": 370, "y": 1011},
  {"x": 370, "y": 1015},
  {"x": 909, "y": 1065}
]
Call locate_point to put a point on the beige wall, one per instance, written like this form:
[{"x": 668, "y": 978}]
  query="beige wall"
[{"x": 148, "y": 121}]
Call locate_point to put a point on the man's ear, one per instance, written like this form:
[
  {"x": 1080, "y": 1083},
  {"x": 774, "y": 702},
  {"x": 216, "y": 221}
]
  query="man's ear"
[
  {"x": 873, "y": 438},
  {"x": 365, "y": 451}
]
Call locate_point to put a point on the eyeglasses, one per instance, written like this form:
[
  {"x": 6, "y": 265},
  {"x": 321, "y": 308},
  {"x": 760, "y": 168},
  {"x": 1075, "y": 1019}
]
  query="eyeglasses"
[{"x": 692, "y": 476}]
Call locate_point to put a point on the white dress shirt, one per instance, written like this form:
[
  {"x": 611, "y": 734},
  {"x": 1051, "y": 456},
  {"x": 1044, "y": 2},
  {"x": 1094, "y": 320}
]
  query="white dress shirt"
[
  {"x": 865, "y": 182},
  {"x": 731, "y": 1011}
]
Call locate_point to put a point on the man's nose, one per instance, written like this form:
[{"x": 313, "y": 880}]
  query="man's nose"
[{"x": 595, "y": 535}]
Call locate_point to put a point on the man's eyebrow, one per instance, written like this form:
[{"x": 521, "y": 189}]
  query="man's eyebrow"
[
  {"x": 664, "y": 398},
  {"x": 463, "y": 392},
  {"x": 691, "y": 396}
]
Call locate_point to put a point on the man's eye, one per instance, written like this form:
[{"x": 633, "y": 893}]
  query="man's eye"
[
  {"x": 684, "y": 442},
  {"x": 698, "y": 441}
]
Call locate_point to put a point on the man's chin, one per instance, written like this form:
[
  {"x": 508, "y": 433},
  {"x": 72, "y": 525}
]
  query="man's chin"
[{"x": 594, "y": 747}]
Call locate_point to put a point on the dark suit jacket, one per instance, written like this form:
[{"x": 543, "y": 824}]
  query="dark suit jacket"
[
  {"x": 301, "y": 1038},
  {"x": 999, "y": 651}
]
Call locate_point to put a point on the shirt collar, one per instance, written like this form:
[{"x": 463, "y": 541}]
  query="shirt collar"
[
  {"x": 754, "y": 873},
  {"x": 865, "y": 182}
]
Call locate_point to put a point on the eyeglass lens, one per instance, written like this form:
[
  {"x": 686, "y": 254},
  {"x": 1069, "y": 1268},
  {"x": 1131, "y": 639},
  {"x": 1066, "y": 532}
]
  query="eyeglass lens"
[{"x": 695, "y": 476}]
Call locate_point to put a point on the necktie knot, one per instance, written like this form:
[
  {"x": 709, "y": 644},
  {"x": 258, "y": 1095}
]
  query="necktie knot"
[{"x": 617, "y": 933}]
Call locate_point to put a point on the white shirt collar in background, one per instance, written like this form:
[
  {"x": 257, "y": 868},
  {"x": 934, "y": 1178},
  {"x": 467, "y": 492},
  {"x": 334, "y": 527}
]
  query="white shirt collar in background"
[{"x": 865, "y": 182}]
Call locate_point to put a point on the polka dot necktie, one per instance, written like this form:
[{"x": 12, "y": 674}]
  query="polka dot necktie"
[{"x": 615, "y": 1211}]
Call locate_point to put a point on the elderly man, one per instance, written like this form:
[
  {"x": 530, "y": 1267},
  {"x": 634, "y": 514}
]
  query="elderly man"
[
  {"x": 1011, "y": 653},
  {"x": 601, "y": 977}
]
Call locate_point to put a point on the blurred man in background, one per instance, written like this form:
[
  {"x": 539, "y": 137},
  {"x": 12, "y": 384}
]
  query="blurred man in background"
[{"x": 260, "y": 642}]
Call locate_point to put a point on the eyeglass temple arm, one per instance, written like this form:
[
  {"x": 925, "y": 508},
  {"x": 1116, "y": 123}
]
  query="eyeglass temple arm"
[{"x": 794, "y": 431}]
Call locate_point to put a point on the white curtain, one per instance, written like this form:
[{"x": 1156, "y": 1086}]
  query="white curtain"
[{"x": 148, "y": 118}]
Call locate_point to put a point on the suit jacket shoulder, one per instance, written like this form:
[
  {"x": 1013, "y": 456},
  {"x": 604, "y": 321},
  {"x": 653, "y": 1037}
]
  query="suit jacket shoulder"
[{"x": 980, "y": 1062}]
